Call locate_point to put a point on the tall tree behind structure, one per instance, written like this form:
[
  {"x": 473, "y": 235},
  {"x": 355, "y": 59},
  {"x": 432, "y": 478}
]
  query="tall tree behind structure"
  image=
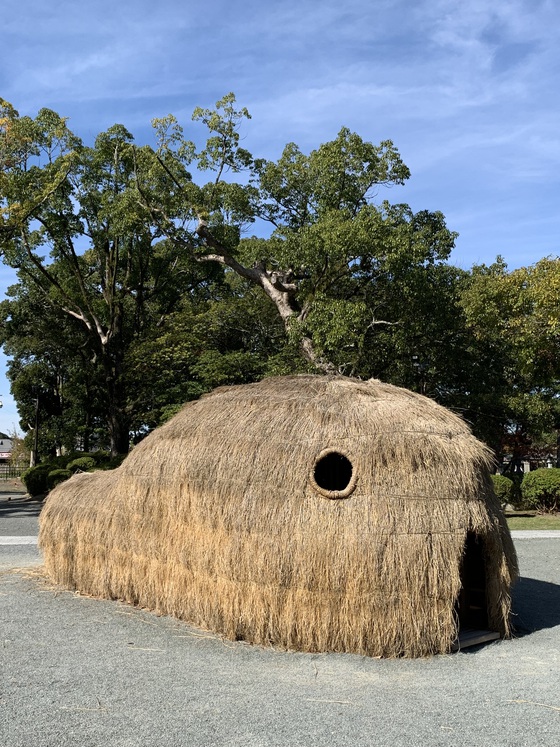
[{"x": 327, "y": 239}]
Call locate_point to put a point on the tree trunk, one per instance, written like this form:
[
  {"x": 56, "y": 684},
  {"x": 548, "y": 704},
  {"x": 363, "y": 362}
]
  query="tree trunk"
[
  {"x": 34, "y": 456},
  {"x": 320, "y": 363},
  {"x": 116, "y": 416},
  {"x": 119, "y": 433},
  {"x": 278, "y": 285},
  {"x": 87, "y": 431}
]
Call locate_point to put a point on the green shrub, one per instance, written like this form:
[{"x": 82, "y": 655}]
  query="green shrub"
[
  {"x": 114, "y": 462},
  {"x": 38, "y": 481},
  {"x": 35, "y": 479},
  {"x": 515, "y": 498},
  {"x": 57, "y": 476},
  {"x": 101, "y": 457},
  {"x": 81, "y": 464},
  {"x": 504, "y": 489},
  {"x": 60, "y": 462},
  {"x": 541, "y": 489}
]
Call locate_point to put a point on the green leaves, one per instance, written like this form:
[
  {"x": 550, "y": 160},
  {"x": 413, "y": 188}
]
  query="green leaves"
[
  {"x": 512, "y": 318},
  {"x": 341, "y": 175},
  {"x": 126, "y": 241},
  {"x": 222, "y": 151},
  {"x": 541, "y": 489}
]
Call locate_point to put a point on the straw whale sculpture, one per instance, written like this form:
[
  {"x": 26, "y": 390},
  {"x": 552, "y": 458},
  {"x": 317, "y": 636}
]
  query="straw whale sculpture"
[{"x": 313, "y": 513}]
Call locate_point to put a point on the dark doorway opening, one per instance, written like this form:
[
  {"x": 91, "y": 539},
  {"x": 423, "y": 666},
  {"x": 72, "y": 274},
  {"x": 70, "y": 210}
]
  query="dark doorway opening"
[{"x": 472, "y": 605}]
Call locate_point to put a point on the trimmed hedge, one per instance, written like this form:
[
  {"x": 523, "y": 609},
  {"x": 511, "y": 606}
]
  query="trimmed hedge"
[
  {"x": 57, "y": 476},
  {"x": 113, "y": 462},
  {"x": 513, "y": 496},
  {"x": 504, "y": 489},
  {"x": 35, "y": 479},
  {"x": 38, "y": 480},
  {"x": 541, "y": 489},
  {"x": 82, "y": 464}
]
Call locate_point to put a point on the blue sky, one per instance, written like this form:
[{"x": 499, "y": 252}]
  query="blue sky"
[{"x": 466, "y": 89}]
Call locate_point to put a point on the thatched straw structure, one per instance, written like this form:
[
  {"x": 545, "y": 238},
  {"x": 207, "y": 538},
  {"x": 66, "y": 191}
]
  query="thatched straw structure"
[{"x": 310, "y": 512}]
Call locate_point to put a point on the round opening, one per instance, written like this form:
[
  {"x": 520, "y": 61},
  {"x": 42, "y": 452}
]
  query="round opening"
[{"x": 333, "y": 475}]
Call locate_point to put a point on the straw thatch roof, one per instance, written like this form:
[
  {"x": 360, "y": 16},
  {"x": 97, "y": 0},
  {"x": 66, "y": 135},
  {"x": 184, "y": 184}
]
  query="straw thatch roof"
[{"x": 310, "y": 512}]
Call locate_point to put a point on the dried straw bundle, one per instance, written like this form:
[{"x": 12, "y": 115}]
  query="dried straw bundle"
[{"x": 221, "y": 518}]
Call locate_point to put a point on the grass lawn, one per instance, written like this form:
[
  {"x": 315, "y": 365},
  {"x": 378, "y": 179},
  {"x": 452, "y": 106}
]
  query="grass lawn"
[{"x": 528, "y": 521}]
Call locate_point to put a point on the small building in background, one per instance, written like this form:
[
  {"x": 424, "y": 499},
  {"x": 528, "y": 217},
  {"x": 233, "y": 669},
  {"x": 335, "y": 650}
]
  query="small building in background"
[{"x": 6, "y": 446}]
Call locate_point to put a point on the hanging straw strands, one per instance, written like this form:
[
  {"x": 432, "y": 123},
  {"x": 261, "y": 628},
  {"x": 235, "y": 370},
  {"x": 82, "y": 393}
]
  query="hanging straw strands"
[{"x": 217, "y": 518}]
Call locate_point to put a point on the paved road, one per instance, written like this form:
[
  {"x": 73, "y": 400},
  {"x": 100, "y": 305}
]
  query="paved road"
[
  {"x": 89, "y": 673},
  {"x": 18, "y": 530}
]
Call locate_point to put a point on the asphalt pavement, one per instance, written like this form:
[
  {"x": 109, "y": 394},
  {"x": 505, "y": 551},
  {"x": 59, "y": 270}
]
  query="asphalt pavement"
[
  {"x": 95, "y": 673},
  {"x": 18, "y": 530}
]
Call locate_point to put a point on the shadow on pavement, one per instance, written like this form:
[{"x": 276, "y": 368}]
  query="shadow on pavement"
[
  {"x": 19, "y": 507},
  {"x": 536, "y": 606}
]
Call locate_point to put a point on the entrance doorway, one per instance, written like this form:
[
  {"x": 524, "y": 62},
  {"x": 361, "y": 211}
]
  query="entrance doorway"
[
  {"x": 472, "y": 604},
  {"x": 472, "y": 607}
]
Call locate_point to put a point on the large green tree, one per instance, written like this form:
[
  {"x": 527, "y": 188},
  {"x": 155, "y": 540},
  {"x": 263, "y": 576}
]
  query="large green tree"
[
  {"x": 72, "y": 225},
  {"x": 56, "y": 382},
  {"x": 513, "y": 320},
  {"x": 325, "y": 240},
  {"x": 148, "y": 251}
]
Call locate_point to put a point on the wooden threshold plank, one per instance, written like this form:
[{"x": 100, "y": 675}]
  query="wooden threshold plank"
[{"x": 474, "y": 638}]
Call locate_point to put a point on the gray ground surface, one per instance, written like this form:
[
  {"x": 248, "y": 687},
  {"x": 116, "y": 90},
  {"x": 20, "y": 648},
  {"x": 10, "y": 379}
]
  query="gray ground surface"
[
  {"x": 18, "y": 518},
  {"x": 78, "y": 671}
]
